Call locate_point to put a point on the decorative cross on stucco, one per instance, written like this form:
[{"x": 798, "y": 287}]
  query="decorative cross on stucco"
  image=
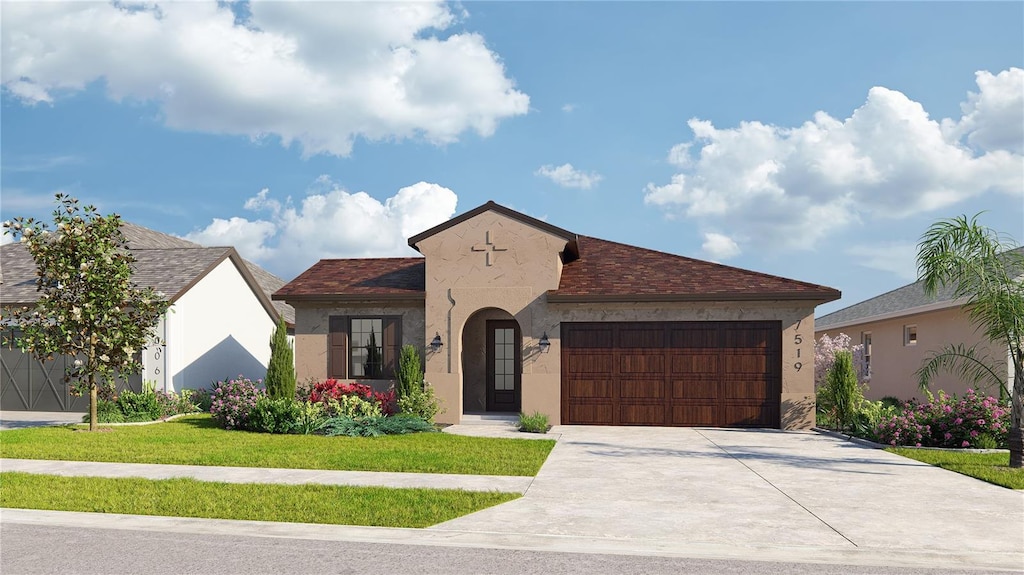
[{"x": 488, "y": 247}]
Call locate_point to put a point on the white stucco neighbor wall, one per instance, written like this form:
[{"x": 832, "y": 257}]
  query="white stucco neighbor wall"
[{"x": 217, "y": 329}]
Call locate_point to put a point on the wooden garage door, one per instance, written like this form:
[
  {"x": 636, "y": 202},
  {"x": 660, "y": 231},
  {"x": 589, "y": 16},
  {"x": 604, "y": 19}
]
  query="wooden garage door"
[{"x": 722, "y": 374}]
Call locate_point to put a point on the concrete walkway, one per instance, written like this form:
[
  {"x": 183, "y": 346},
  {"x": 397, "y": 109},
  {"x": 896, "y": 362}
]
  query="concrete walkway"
[
  {"x": 258, "y": 475},
  {"x": 760, "y": 495}
]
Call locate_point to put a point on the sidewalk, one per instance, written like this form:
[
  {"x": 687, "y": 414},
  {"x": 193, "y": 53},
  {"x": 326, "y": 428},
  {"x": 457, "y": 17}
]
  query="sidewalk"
[{"x": 259, "y": 475}]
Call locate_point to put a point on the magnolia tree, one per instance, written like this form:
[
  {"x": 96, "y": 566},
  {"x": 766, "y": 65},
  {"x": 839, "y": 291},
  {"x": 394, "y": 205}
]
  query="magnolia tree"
[
  {"x": 825, "y": 349},
  {"x": 89, "y": 308}
]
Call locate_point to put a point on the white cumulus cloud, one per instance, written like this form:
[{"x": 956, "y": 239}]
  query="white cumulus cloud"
[
  {"x": 789, "y": 187},
  {"x": 319, "y": 74},
  {"x": 899, "y": 258},
  {"x": 569, "y": 177},
  {"x": 331, "y": 224},
  {"x": 719, "y": 246}
]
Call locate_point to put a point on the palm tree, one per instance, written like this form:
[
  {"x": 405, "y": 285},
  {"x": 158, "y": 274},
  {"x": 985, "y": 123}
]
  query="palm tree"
[{"x": 978, "y": 263}]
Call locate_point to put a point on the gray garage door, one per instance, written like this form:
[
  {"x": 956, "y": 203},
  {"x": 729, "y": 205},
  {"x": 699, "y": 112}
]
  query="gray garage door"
[{"x": 27, "y": 384}]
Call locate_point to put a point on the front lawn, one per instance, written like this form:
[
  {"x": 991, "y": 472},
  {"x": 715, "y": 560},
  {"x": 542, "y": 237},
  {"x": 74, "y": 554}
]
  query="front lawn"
[
  {"x": 990, "y": 467},
  {"x": 196, "y": 440},
  {"x": 343, "y": 505}
]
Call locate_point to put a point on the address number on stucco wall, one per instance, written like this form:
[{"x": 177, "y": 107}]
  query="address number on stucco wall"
[{"x": 798, "y": 339}]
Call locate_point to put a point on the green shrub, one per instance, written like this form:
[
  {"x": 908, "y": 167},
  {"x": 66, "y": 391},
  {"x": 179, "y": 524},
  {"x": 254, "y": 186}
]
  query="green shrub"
[
  {"x": 274, "y": 415},
  {"x": 421, "y": 402},
  {"x": 353, "y": 406},
  {"x": 376, "y": 426},
  {"x": 311, "y": 418},
  {"x": 202, "y": 399},
  {"x": 107, "y": 411},
  {"x": 139, "y": 406},
  {"x": 535, "y": 423},
  {"x": 841, "y": 395},
  {"x": 280, "y": 380},
  {"x": 410, "y": 372}
]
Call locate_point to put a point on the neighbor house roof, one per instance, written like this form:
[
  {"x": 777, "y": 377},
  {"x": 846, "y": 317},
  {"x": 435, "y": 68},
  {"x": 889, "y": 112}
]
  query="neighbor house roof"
[
  {"x": 358, "y": 279},
  {"x": 168, "y": 264},
  {"x": 610, "y": 271},
  {"x": 907, "y": 300}
]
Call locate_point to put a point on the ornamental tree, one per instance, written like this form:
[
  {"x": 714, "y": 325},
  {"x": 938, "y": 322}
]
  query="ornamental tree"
[
  {"x": 825, "y": 349},
  {"x": 88, "y": 307}
]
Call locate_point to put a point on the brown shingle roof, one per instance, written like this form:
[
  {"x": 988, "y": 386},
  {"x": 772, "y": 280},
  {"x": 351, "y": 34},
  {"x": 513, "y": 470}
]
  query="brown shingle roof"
[
  {"x": 369, "y": 278},
  {"x": 610, "y": 271}
]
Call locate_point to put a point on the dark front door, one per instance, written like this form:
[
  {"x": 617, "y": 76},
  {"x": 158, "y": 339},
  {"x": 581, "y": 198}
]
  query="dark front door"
[{"x": 504, "y": 366}]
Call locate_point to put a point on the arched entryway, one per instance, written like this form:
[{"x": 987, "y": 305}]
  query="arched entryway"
[{"x": 492, "y": 363}]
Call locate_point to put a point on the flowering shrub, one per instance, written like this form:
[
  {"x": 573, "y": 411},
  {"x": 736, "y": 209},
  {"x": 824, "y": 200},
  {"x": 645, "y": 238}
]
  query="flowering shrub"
[
  {"x": 352, "y": 406},
  {"x": 947, "y": 421},
  {"x": 334, "y": 389},
  {"x": 233, "y": 400},
  {"x": 825, "y": 349}
]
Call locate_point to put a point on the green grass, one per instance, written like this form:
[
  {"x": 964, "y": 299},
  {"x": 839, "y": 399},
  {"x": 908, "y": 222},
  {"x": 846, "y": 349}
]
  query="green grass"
[
  {"x": 196, "y": 440},
  {"x": 342, "y": 505},
  {"x": 990, "y": 467}
]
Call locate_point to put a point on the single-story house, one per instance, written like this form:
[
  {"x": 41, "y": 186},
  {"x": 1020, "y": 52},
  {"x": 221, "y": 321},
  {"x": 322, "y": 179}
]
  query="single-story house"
[
  {"x": 900, "y": 329},
  {"x": 219, "y": 324},
  {"x": 516, "y": 315}
]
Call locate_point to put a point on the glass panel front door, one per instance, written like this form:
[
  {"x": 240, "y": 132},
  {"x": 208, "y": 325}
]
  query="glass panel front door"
[{"x": 503, "y": 366}]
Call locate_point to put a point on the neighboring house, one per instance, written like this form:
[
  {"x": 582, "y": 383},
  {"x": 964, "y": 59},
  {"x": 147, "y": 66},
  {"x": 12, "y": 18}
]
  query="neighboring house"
[
  {"x": 514, "y": 314},
  {"x": 219, "y": 324},
  {"x": 900, "y": 329}
]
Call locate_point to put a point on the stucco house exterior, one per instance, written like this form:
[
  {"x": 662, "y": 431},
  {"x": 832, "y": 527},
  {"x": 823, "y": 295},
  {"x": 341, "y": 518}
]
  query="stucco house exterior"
[
  {"x": 514, "y": 314},
  {"x": 219, "y": 323},
  {"x": 900, "y": 329}
]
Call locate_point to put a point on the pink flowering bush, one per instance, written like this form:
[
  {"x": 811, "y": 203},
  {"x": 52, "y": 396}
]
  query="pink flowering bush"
[
  {"x": 947, "y": 421},
  {"x": 233, "y": 401},
  {"x": 334, "y": 389},
  {"x": 825, "y": 349}
]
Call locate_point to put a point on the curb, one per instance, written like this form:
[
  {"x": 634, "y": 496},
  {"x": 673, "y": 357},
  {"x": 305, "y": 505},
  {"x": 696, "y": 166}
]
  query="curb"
[
  {"x": 850, "y": 438},
  {"x": 130, "y": 423}
]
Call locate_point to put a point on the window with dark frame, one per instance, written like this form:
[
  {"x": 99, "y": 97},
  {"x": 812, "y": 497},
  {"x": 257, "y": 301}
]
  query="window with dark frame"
[
  {"x": 865, "y": 339},
  {"x": 363, "y": 347}
]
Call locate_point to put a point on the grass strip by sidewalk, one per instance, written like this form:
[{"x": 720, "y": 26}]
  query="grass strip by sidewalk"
[
  {"x": 184, "y": 497},
  {"x": 990, "y": 467},
  {"x": 196, "y": 440}
]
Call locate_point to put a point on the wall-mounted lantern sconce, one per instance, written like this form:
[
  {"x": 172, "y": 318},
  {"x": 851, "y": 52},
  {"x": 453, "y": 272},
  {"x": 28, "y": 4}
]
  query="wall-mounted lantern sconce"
[
  {"x": 545, "y": 343},
  {"x": 436, "y": 343}
]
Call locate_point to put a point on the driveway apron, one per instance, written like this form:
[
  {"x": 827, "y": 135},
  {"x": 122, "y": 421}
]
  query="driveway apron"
[{"x": 752, "y": 488}]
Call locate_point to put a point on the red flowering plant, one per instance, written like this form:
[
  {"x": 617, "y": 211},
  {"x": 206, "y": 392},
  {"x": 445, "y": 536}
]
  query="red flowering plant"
[{"x": 334, "y": 389}]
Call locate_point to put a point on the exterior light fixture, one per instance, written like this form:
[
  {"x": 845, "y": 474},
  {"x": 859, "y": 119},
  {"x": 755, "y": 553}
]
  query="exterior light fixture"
[
  {"x": 545, "y": 343},
  {"x": 436, "y": 343}
]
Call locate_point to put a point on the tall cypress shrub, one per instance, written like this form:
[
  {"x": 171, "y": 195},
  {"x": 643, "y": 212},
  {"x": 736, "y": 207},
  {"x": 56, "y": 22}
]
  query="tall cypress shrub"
[
  {"x": 280, "y": 380},
  {"x": 842, "y": 391},
  {"x": 410, "y": 372}
]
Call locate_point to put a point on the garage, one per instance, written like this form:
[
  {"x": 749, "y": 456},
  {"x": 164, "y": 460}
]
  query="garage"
[{"x": 715, "y": 373}]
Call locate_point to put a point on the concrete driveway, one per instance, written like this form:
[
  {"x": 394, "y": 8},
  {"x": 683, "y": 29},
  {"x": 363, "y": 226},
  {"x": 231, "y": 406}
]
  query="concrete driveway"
[
  {"x": 19, "y": 419},
  {"x": 759, "y": 491}
]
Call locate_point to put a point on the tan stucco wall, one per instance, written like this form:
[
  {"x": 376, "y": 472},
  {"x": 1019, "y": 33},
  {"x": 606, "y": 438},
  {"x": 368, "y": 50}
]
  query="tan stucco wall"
[
  {"x": 893, "y": 364},
  {"x": 459, "y": 283},
  {"x": 312, "y": 326}
]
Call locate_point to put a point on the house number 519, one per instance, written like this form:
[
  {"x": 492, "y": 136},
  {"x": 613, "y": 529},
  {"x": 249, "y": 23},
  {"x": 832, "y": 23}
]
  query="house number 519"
[{"x": 797, "y": 340}]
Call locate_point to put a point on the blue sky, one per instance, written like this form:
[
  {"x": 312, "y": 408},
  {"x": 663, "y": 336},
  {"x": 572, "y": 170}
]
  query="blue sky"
[{"x": 810, "y": 140}]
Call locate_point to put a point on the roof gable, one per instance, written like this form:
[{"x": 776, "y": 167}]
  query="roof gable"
[
  {"x": 168, "y": 264},
  {"x": 498, "y": 208},
  {"x": 610, "y": 271}
]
